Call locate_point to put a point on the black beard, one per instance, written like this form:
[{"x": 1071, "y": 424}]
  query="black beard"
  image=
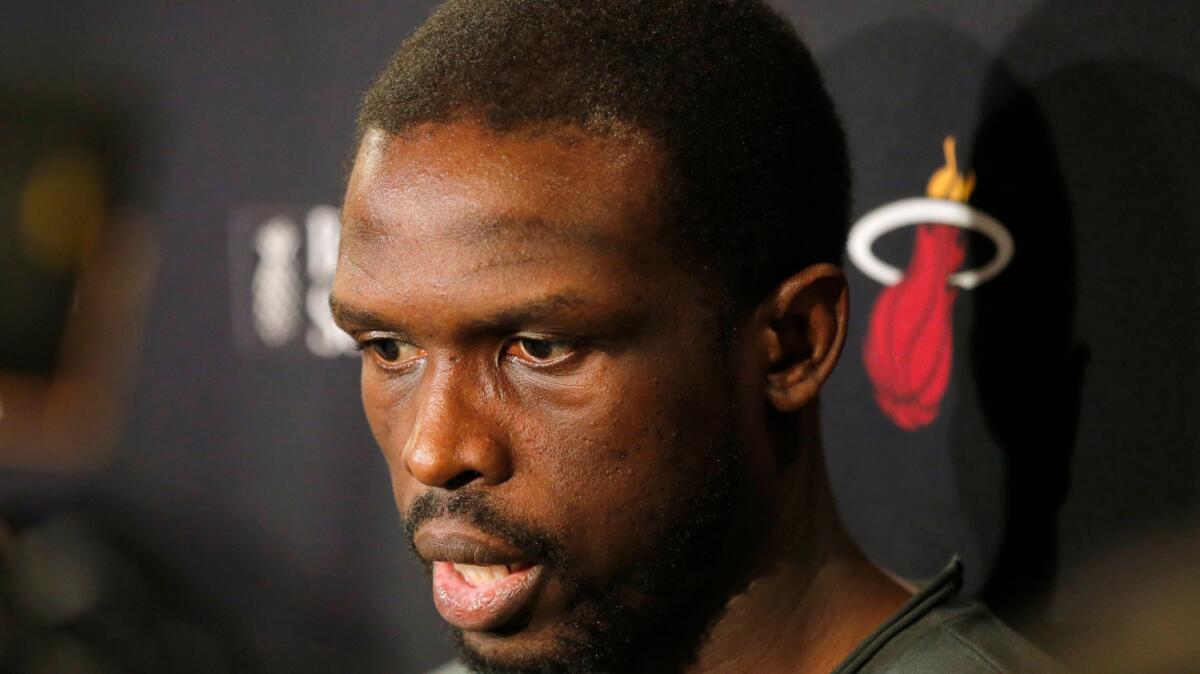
[{"x": 682, "y": 586}]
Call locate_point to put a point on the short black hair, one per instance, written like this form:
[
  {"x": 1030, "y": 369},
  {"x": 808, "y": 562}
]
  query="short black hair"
[{"x": 727, "y": 88}]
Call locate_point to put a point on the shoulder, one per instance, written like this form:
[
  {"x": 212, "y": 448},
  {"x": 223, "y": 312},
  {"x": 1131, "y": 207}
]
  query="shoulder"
[{"x": 961, "y": 637}]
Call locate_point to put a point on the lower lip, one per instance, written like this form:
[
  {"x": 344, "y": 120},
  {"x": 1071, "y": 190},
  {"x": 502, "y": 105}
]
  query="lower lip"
[{"x": 478, "y": 609}]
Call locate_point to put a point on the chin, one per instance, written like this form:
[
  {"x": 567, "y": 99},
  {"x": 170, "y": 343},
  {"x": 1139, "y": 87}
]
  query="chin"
[{"x": 522, "y": 653}]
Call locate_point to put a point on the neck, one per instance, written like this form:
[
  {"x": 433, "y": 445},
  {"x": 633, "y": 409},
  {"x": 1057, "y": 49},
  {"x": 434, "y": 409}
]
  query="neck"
[{"x": 813, "y": 595}]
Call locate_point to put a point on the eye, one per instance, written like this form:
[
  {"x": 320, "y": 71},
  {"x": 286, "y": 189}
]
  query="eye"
[
  {"x": 538, "y": 351},
  {"x": 390, "y": 352}
]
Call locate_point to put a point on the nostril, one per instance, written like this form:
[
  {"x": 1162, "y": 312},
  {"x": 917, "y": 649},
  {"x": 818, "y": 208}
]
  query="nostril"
[{"x": 462, "y": 479}]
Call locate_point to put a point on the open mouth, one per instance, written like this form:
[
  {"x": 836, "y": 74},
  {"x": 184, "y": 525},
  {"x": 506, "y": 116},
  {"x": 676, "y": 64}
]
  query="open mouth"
[
  {"x": 479, "y": 583},
  {"x": 479, "y": 598}
]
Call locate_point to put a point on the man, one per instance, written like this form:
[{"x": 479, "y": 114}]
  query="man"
[{"x": 590, "y": 256}]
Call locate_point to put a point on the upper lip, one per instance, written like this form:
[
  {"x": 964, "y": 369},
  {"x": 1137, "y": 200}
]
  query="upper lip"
[{"x": 447, "y": 541}]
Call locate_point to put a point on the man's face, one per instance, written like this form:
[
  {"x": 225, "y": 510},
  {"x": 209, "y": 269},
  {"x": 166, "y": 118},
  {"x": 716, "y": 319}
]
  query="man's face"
[{"x": 547, "y": 382}]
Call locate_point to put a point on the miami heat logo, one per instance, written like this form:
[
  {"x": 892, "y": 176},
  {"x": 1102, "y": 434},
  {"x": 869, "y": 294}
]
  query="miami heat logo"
[{"x": 909, "y": 346}]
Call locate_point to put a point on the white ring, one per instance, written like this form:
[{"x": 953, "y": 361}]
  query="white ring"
[{"x": 919, "y": 210}]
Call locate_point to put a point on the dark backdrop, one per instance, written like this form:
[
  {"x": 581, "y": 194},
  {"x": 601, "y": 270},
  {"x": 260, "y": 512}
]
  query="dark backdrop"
[{"x": 1069, "y": 425}]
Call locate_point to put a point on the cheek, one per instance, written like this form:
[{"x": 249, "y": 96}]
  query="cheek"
[
  {"x": 623, "y": 457},
  {"x": 377, "y": 406},
  {"x": 383, "y": 404}
]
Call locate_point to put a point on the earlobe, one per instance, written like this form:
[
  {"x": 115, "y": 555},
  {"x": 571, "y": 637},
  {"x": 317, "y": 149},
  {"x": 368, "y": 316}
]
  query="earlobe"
[{"x": 804, "y": 330}]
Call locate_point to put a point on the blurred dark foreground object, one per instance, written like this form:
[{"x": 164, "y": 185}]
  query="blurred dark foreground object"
[
  {"x": 1144, "y": 600},
  {"x": 76, "y": 274},
  {"x": 75, "y": 598},
  {"x": 76, "y": 270}
]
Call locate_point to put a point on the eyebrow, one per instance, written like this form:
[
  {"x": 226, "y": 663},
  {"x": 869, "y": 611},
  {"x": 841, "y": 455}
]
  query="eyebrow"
[
  {"x": 529, "y": 312},
  {"x": 346, "y": 315}
]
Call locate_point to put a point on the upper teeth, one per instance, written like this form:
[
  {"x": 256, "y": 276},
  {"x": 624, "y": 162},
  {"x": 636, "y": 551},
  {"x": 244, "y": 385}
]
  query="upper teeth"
[{"x": 482, "y": 575}]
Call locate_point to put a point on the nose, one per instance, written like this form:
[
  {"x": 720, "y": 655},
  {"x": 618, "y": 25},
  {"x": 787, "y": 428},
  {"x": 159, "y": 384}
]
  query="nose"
[{"x": 453, "y": 441}]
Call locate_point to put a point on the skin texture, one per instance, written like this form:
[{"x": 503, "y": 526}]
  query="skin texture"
[{"x": 545, "y": 373}]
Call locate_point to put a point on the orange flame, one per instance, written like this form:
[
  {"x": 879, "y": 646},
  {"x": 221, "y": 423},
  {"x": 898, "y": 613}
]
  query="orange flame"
[{"x": 947, "y": 182}]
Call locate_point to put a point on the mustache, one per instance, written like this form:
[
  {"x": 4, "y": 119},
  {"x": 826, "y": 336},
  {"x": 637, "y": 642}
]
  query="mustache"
[{"x": 478, "y": 510}]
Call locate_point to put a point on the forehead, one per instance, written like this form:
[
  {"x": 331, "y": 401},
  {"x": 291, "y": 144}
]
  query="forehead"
[
  {"x": 457, "y": 202},
  {"x": 557, "y": 179}
]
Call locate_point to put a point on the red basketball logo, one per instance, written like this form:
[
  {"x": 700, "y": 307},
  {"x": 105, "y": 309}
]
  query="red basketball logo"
[{"x": 909, "y": 344}]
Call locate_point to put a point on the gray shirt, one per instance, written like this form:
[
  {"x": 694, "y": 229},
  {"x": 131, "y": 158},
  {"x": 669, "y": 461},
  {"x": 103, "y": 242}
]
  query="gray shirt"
[{"x": 935, "y": 633}]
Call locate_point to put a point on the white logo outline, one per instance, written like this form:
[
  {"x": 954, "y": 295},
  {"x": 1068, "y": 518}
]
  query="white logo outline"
[{"x": 920, "y": 210}]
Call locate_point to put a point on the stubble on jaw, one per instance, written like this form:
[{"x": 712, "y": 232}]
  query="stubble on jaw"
[{"x": 681, "y": 588}]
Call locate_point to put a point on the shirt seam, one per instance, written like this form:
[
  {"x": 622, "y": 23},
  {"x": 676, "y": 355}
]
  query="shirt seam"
[{"x": 948, "y": 628}]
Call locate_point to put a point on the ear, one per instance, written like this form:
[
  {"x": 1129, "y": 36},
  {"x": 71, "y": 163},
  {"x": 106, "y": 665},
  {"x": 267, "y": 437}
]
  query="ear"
[{"x": 804, "y": 330}]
